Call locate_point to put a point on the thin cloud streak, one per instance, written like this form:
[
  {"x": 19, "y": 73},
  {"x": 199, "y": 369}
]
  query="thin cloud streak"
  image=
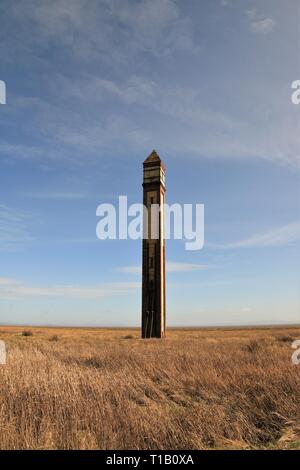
[
  {"x": 263, "y": 26},
  {"x": 13, "y": 228},
  {"x": 280, "y": 236},
  {"x": 259, "y": 24},
  {"x": 171, "y": 267},
  {"x": 93, "y": 113},
  {"x": 56, "y": 195},
  {"x": 11, "y": 288}
]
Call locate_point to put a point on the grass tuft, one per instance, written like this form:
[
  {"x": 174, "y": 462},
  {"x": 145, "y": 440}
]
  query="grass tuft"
[{"x": 27, "y": 333}]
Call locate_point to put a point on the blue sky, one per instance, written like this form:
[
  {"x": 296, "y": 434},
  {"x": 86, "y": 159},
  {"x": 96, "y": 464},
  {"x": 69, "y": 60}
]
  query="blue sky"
[{"x": 92, "y": 88}]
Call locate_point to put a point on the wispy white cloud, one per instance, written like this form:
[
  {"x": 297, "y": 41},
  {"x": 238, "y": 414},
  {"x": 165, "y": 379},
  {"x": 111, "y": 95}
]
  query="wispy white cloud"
[
  {"x": 5, "y": 281},
  {"x": 251, "y": 14},
  {"x": 57, "y": 195},
  {"x": 263, "y": 26},
  {"x": 10, "y": 288},
  {"x": 13, "y": 228},
  {"x": 115, "y": 29},
  {"x": 186, "y": 124},
  {"x": 180, "y": 102},
  {"x": 130, "y": 269},
  {"x": 246, "y": 309},
  {"x": 175, "y": 267},
  {"x": 279, "y": 236},
  {"x": 87, "y": 115},
  {"x": 22, "y": 152},
  {"x": 171, "y": 267},
  {"x": 259, "y": 24}
]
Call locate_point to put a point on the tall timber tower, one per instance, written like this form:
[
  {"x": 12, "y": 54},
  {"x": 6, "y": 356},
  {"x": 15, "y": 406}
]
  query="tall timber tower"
[{"x": 154, "y": 250}]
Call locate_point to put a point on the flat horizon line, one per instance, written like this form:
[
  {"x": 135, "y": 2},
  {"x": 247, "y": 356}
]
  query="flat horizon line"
[{"x": 192, "y": 327}]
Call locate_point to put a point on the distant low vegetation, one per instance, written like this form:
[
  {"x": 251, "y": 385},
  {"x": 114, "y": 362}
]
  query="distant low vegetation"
[
  {"x": 197, "y": 389},
  {"x": 54, "y": 338},
  {"x": 27, "y": 333}
]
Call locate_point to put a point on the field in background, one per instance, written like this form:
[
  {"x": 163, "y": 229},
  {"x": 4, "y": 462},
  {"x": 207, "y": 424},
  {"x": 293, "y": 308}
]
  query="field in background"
[{"x": 69, "y": 388}]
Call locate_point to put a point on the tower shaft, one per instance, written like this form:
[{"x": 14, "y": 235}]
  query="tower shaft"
[{"x": 154, "y": 250}]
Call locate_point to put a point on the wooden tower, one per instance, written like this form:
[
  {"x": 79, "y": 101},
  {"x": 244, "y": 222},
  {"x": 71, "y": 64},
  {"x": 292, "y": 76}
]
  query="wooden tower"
[{"x": 154, "y": 251}]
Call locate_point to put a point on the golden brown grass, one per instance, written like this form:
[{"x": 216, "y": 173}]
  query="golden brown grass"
[{"x": 108, "y": 389}]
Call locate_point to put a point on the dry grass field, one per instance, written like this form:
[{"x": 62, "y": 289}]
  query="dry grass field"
[{"x": 107, "y": 389}]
